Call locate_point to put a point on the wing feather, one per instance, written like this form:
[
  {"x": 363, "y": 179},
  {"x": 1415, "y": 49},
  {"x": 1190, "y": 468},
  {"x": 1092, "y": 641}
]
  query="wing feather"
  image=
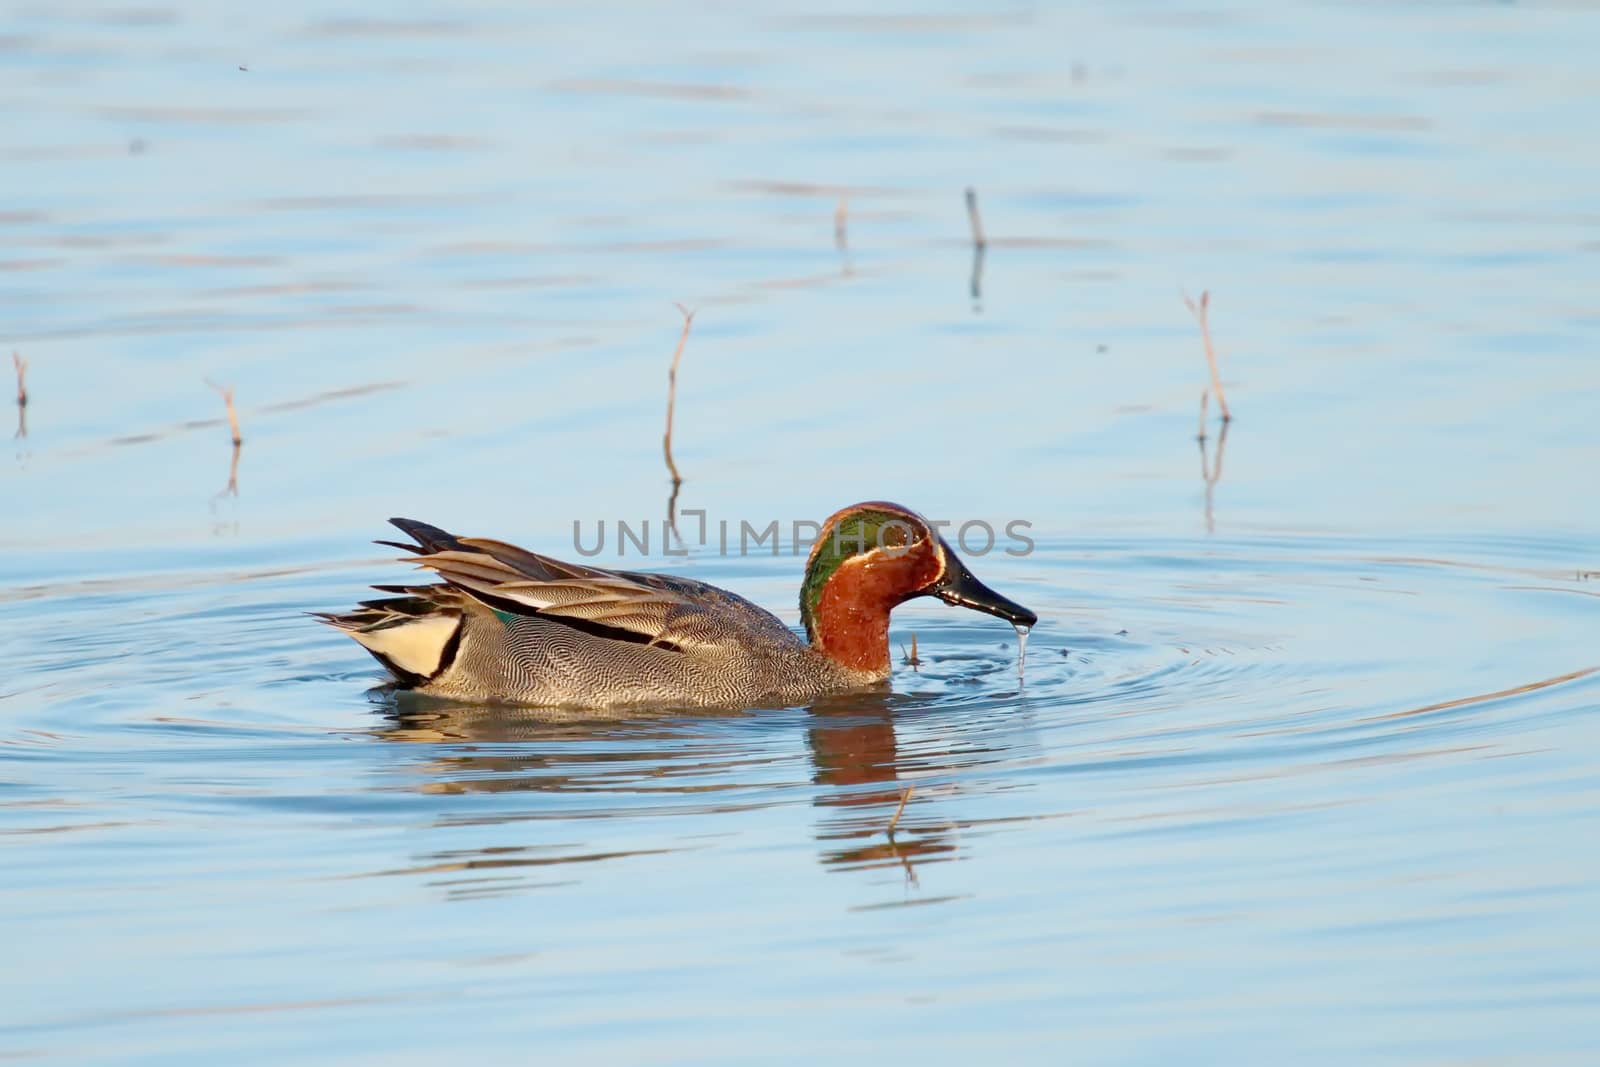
[
  {"x": 656, "y": 609},
  {"x": 644, "y": 613},
  {"x": 531, "y": 564}
]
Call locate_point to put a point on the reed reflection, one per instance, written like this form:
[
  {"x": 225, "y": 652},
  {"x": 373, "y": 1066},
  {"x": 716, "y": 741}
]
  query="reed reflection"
[{"x": 1211, "y": 475}]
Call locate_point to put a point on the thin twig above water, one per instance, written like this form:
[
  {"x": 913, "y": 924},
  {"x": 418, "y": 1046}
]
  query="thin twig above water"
[
  {"x": 672, "y": 400},
  {"x": 226, "y": 392},
  {"x": 1200, "y": 311},
  {"x": 22, "y": 395},
  {"x": 911, "y": 658}
]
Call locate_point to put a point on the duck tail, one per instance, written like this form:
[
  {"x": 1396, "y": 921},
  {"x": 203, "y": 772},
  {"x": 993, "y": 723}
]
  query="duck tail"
[
  {"x": 429, "y": 539},
  {"x": 415, "y": 636}
]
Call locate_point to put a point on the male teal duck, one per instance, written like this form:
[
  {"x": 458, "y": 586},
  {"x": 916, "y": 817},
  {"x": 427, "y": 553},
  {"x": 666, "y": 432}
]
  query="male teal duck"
[{"x": 508, "y": 625}]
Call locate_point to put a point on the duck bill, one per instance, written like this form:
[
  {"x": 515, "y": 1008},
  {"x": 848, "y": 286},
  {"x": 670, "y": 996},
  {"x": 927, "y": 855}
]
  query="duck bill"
[{"x": 959, "y": 587}]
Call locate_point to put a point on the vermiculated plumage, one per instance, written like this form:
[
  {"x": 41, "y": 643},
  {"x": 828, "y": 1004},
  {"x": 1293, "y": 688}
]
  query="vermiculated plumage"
[{"x": 512, "y": 625}]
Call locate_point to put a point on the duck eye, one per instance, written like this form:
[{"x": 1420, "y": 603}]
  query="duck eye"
[{"x": 896, "y": 536}]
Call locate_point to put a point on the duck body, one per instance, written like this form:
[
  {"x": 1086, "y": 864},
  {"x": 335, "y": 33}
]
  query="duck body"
[{"x": 511, "y": 626}]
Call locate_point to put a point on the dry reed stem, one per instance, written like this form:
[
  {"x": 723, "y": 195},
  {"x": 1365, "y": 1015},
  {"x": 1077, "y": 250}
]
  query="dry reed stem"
[
  {"x": 841, "y": 228},
  {"x": 972, "y": 217},
  {"x": 1205, "y": 396},
  {"x": 894, "y": 820},
  {"x": 1200, "y": 313},
  {"x": 911, "y": 658},
  {"x": 672, "y": 392},
  {"x": 22, "y": 375},
  {"x": 226, "y": 392}
]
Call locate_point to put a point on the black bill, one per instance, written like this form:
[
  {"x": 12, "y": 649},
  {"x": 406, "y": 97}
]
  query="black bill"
[{"x": 958, "y": 586}]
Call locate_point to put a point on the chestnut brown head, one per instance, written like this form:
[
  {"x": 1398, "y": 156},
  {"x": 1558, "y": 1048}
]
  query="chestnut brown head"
[{"x": 870, "y": 557}]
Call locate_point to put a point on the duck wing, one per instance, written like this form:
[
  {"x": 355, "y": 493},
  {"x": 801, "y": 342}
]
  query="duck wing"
[{"x": 664, "y": 612}]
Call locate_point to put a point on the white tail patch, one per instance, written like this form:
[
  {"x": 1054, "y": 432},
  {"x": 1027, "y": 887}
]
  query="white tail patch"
[{"x": 416, "y": 646}]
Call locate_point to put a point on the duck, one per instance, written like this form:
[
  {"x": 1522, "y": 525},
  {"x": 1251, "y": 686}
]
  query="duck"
[{"x": 508, "y": 626}]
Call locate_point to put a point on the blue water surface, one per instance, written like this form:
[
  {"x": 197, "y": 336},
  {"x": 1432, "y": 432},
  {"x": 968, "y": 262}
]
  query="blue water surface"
[{"x": 1305, "y": 763}]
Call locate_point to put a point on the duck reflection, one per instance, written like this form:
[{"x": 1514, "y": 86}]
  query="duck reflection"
[
  {"x": 675, "y": 764},
  {"x": 855, "y": 754}
]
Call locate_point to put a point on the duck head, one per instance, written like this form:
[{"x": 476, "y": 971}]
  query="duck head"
[{"x": 867, "y": 559}]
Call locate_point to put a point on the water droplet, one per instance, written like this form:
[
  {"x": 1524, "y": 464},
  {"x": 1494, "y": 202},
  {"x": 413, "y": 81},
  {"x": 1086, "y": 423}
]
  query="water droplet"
[{"x": 1022, "y": 646}]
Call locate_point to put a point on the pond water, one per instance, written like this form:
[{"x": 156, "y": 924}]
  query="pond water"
[{"x": 1306, "y": 759}]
